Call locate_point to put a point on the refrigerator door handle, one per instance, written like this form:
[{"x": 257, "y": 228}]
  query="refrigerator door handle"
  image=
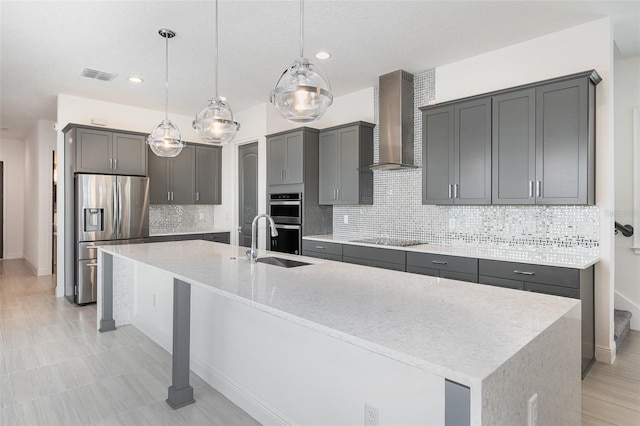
[
  {"x": 115, "y": 206},
  {"x": 119, "y": 209}
]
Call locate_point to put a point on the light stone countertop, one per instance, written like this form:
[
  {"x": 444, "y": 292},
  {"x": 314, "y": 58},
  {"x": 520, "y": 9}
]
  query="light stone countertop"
[
  {"x": 505, "y": 254},
  {"x": 208, "y": 231},
  {"x": 458, "y": 330}
]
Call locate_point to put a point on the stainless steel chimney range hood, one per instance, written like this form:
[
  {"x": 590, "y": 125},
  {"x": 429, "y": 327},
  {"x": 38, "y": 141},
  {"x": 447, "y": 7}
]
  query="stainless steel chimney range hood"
[{"x": 395, "y": 110}]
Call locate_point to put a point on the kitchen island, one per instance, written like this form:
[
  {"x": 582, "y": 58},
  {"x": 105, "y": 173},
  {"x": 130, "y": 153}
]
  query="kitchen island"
[{"x": 313, "y": 344}]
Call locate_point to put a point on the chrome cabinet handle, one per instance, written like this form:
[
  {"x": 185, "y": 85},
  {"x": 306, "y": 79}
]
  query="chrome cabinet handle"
[
  {"x": 110, "y": 163},
  {"x": 321, "y": 248},
  {"x": 168, "y": 196},
  {"x": 530, "y": 188},
  {"x": 115, "y": 164},
  {"x": 338, "y": 194},
  {"x": 538, "y": 188},
  {"x": 455, "y": 191},
  {"x": 285, "y": 174},
  {"x": 450, "y": 190},
  {"x": 523, "y": 272},
  {"x": 438, "y": 262},
  {"x": 92, "y": 264},
  {"x": 171, "y": 195},
  {"x": 197, "y": 196}
]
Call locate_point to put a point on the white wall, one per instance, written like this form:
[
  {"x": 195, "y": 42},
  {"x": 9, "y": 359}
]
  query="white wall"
[
  {"x": 627, "y": 270},
  {"x": 38, "y": 179},
  {"x": 12, "y": 154},
  {"x": 581, "y": 48}
]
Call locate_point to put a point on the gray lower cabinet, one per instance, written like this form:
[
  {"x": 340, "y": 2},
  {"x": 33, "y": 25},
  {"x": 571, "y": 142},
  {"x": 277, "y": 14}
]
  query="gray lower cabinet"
[
  {"x": 208, "y": 174},
  {"x": 322, "y": 250},
  {"x": 444, "y": 266},
  {"x": 457, "y": 153},
  {"x": 343, "y": 152},
  {"x": 566, "y": 282},
  {"x": 172, "y": 180},
  {"x": 285, "y": 156},
  {"x": 218, "y": 237},
  {"x": 373, "y": 256},
  {"x": 108, "y": 151}
]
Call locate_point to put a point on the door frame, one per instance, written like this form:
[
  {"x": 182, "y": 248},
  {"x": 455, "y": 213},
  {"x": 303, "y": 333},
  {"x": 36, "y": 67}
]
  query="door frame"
[{"x": 262, "y": 186}]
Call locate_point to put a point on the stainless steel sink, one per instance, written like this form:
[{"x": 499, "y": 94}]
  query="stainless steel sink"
[{"x": 279, "y": 261}]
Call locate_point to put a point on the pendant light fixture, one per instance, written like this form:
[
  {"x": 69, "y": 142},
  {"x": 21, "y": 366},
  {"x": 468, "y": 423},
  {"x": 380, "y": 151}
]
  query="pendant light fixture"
[
  {"x": 165, "y": 140},
  {"x": 303, "y": 93},
  {"x": 215, "y": 123}
]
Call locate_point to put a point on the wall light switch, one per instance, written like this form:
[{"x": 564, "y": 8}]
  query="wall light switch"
[{"x": 345, "y": 219}]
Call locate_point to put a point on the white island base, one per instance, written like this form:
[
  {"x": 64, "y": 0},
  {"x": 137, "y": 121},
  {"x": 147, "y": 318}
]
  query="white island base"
[{"x": 314, "y": 344}]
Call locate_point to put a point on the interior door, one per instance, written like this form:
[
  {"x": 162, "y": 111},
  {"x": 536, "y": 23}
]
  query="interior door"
[{"x": 248, "y": 191}]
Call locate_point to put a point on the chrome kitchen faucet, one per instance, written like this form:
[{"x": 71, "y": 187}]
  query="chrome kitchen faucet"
[{"x": 253, "y": 253}]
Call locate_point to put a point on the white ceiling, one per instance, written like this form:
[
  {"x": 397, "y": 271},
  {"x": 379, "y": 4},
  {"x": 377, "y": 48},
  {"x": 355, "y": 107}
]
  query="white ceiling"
[{"x": 44, "y": 45}]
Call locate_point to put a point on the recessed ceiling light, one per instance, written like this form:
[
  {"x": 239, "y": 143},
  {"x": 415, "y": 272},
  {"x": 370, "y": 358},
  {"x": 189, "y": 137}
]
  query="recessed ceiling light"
[
  {"x": 135, "y": 79},
  {"x": 323, "y": 55}
]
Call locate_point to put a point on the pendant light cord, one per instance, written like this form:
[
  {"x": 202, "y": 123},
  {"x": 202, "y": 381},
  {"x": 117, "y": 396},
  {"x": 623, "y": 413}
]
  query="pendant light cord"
[
  {"x": 215, "y": 87},
  {"x": 301, "y": 28},
  {"x": 166, "y": 80}
]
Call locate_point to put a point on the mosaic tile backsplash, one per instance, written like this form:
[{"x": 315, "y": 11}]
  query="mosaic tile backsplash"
[
  {"x": 398, "y": 212},
  {"x": 166, "y": 219}
]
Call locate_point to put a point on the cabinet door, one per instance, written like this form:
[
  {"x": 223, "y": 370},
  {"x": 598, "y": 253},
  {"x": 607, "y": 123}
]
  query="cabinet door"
[
  {"x": 183, "y": 182},
  {"x": 513, "y": 147},
  {"x": 294, "y": 158},
  {"x": 349, "y": 188},
  {"x": 130, "y": 154},
  {"x": 472, "y": 152},
  {"x": 208, "y": 175},
  {"x": 437, "y": 155},
  {"x": 329, "y": 160},
  {"x": 562, "y": 142},
  {"x": 277, "y": 159},
  {"x": 158, "y": 179},
  {"x": 94, "y": 151}
]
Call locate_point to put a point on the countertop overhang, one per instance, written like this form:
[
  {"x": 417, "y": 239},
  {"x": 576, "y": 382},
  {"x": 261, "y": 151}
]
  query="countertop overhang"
[
  {"x": 458, "y": 330},
  {"x": 506, "y": 254}
]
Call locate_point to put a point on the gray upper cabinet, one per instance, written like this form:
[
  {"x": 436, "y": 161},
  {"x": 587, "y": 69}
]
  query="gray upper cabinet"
[
  {"x": 108, "y": 152},
  {"x": 457, "y": 153},
  {"x": 565, "y": 131},
  {"x": 208, "y": 174},
  {"x": 172, "y": 180},
  {"x": 543, "y": 144},
  {"x": 343, "y": 151},
  {"x": 514, "y": 147},
  {"x": 285, "y": 155}
]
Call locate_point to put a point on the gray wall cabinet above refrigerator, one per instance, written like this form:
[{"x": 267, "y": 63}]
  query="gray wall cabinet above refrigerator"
[
  {"x": 285, "y": 155},
  {"x": 105, "y": 151},
  {"x": 542, "y": 145},
  {"x": 343, "y": 152}
]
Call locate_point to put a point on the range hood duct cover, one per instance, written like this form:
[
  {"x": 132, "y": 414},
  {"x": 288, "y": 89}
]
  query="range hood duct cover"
[{"x": 395, "y": 109}]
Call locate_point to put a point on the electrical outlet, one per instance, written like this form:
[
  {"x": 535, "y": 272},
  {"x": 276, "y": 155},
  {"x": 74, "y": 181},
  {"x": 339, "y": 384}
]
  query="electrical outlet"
[
  {"x": 201, "y": 215},
  {"x": 370, "y": 415},
  {"x": 532, "y": 410},
  {"x": 345, "y": 219}
]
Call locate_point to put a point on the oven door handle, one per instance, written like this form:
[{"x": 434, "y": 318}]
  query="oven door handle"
[
  {"x": 288, "y": 226},
  {"x": 284, "y": 203}
]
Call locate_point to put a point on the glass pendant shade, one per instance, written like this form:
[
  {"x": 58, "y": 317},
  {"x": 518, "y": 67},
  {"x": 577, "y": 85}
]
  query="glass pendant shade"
[
  {"x": 215, "y": 124},
  {"x": 165, "y": 140},
  {"x": 303, "y": 92}
]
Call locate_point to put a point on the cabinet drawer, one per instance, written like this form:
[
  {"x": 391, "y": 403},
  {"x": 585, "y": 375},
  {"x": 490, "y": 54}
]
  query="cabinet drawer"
[
  {"x": 374, "y": 262},
  {"x": 551, "y": 275},
  {"x": 321, "y": 255},
  {"x": 447, "y": 263},
  {"x": 321, "y": 247},
  {"x": 552, "y": 289},
  {"x": 374, "y": 253},
  {"x": 217, "y": 237},
  {"x": 501, "y": 282}
]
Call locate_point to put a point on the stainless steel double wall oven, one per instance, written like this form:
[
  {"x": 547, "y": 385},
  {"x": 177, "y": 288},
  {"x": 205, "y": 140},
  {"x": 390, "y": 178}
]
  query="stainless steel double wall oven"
[{"x": 286, "y": 211}]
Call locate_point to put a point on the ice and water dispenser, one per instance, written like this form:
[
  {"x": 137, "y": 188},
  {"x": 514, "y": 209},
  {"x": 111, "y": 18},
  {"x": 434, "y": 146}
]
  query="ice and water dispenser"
[{"x": 93, "y": 220}]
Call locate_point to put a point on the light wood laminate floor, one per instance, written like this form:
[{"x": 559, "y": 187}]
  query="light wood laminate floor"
[{"x": 56, "y": 369}]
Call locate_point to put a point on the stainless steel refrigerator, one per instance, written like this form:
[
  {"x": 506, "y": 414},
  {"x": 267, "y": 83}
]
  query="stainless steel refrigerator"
[{"x": 109, "y": 210}]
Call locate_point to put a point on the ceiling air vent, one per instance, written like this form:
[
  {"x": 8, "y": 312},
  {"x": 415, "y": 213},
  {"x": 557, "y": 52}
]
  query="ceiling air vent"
[{"x": 98, "y": 75}]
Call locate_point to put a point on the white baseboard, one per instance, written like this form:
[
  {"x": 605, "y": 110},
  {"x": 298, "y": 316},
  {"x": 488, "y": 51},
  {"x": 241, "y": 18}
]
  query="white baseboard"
[
  {"x": 255, "y": 407},
  {"x": 606, "y": 355},
  {"x": 620, "y": 301}
]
